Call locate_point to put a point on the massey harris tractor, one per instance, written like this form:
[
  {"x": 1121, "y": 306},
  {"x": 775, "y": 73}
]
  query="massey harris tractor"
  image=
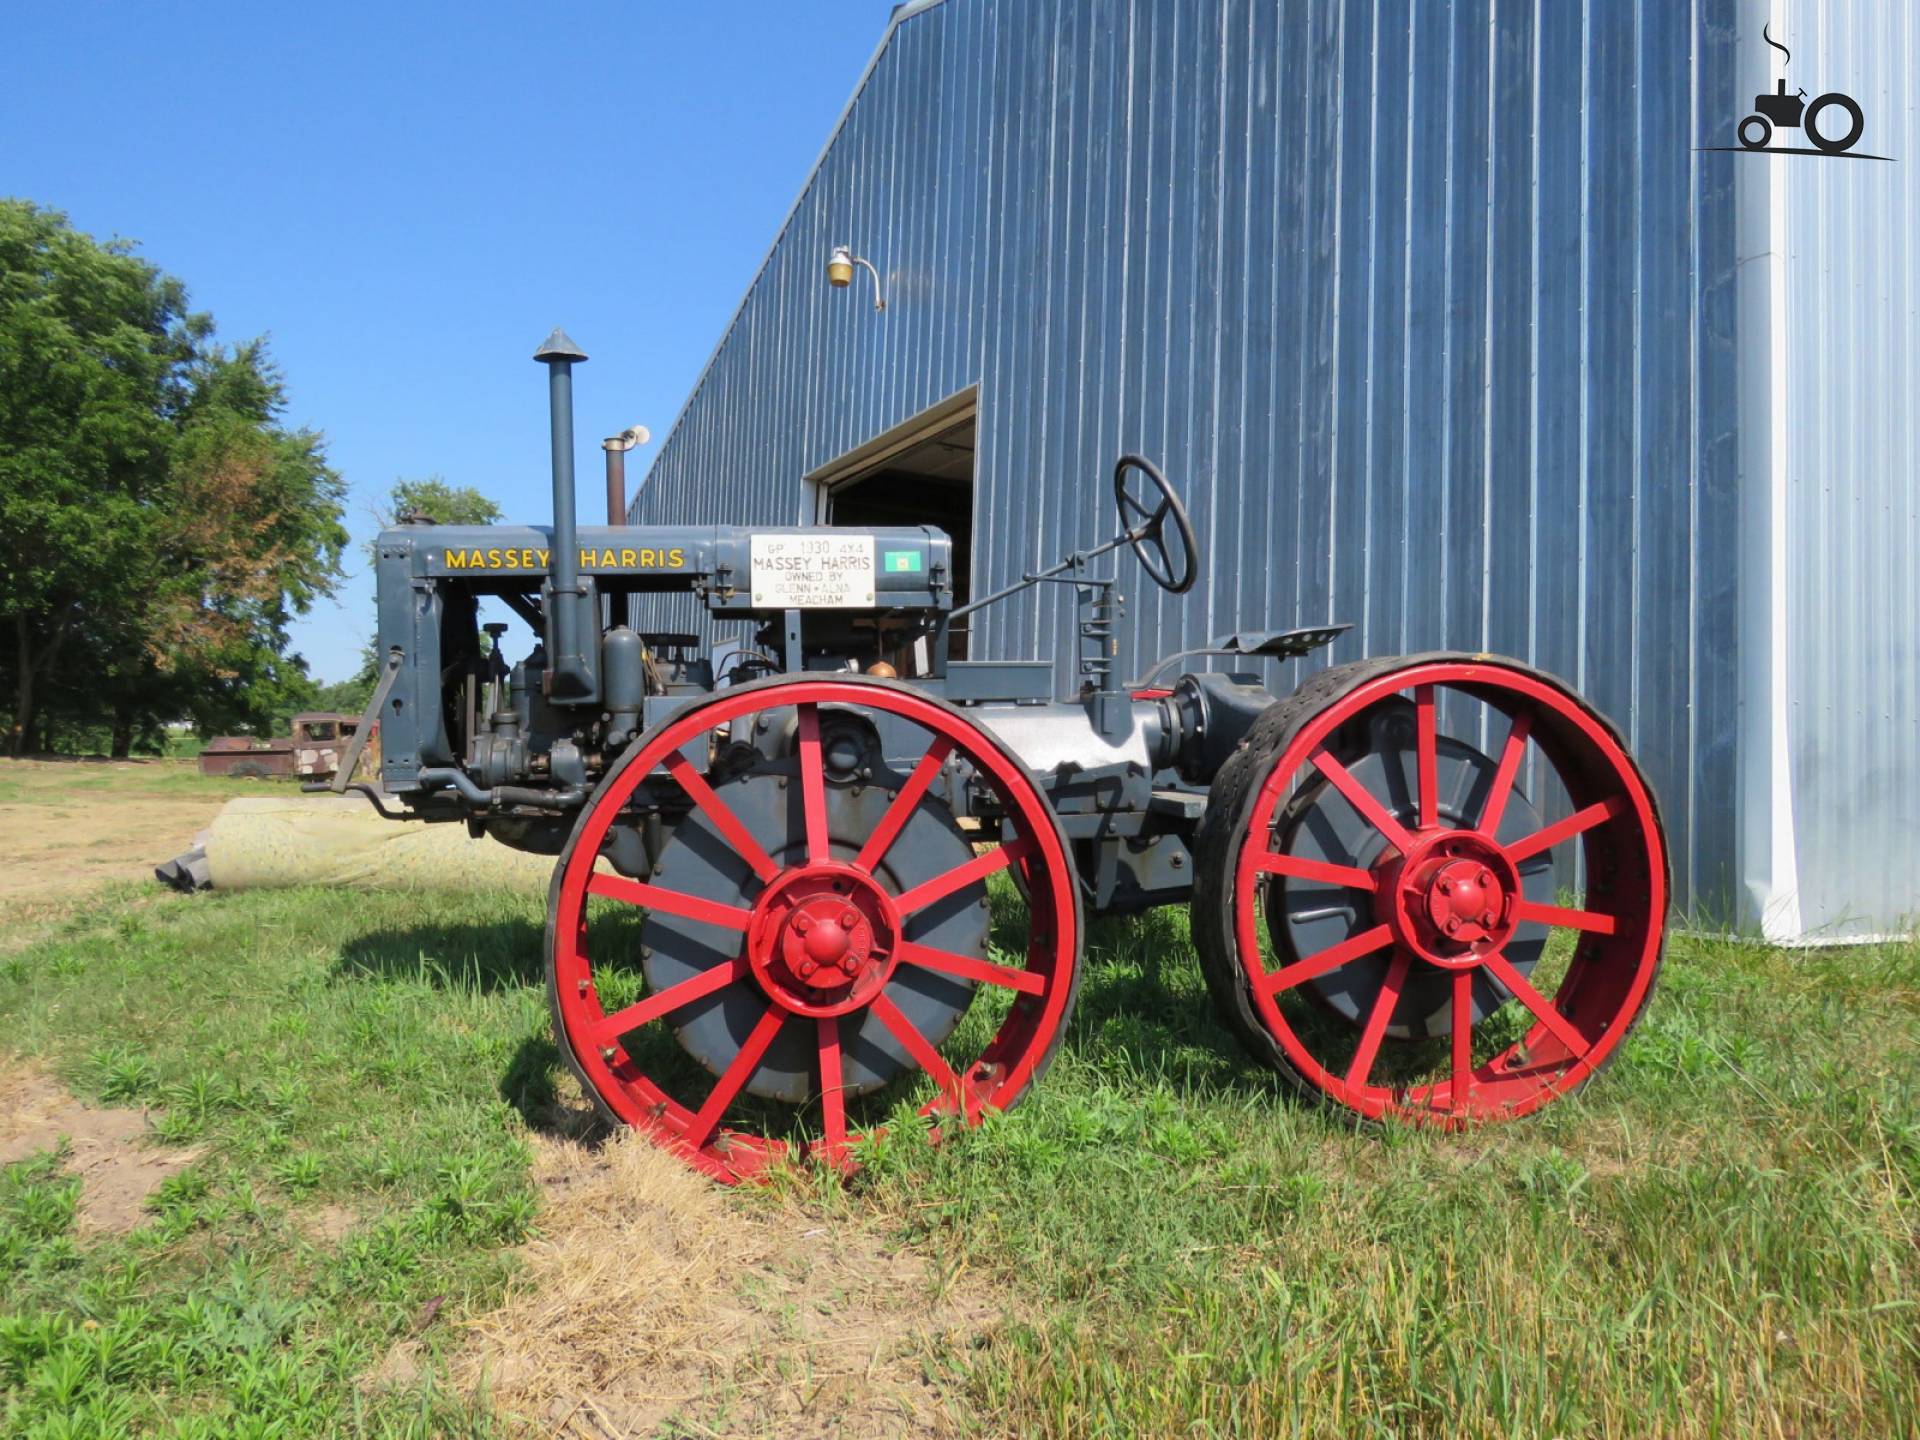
[{"x": 796, "y": 890}]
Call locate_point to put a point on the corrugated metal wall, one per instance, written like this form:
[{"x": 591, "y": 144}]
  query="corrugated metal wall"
[
  {"x": 1427, "y": 308},
  {"x": 1847, "y": 347}
]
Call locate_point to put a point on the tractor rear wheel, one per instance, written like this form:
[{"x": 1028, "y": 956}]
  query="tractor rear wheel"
[
  {"x": 813, "y": 929},
  {"x": 1379, "y": 899}
]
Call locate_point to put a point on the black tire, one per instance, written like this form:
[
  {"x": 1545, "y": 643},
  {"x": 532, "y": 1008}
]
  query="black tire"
[
  {"x": 1766, "y": 132},
  {"x": 1838, "y": 144}
]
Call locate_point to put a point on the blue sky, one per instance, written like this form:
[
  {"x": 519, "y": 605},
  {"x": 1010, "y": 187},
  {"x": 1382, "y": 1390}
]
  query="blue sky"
[{"x": 405, "y": 198}]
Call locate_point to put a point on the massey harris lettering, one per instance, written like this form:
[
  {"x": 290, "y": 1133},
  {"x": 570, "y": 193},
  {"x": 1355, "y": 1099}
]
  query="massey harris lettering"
[{"x": 526, "y": 557}]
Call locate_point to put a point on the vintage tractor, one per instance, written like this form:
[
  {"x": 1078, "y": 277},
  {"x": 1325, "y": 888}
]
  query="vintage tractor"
[{"x": 770, "y": 917}]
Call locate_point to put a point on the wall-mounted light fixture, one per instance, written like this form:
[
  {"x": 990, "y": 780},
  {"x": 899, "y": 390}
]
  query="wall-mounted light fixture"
[{"x": 840, "y": 272}]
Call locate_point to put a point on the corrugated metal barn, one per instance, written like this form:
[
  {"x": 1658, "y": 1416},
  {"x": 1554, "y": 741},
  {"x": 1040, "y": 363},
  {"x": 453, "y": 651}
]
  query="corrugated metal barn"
[{"x": 1446, "y": 323}]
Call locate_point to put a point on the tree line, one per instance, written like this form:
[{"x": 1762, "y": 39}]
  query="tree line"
[{"x": 160, "y": 523}]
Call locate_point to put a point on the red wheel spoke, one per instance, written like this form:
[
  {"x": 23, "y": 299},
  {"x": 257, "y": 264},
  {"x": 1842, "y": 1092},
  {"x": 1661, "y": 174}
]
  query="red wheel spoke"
[
  {"x": 1462, "y": 1038},
  {"x": 723, "y": 818},
  {"x": 1332, "y": 958},
  {"x": 971, "y": 873},
  {"x": 1383, "y": 1006},
  {"x": 921, "y": 1048},
  {"x": 833, "y": 1098},
  {"x": 1502, "y": 787},
  {"x": 1028, "y": 982},
  {"x": 1427, "y": 756},
  {"x": 813, "y": 785},
  {"x": 1577, "y": 823},
  {"x": 1352, "y": 876},
  {"x": 668, "y": 902},
  {"x": 1362, "y": 800},
  {"x": 736, "y": 1075},
  {"x": 1559, "y": 915},
  {"x": 904, "y": 804},
  {"x": 611, "y": 1027},
  {"x": 1542, "y": 1007}
]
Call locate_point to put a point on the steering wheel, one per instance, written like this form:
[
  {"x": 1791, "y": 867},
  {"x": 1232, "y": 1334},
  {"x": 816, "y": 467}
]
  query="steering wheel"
[{"x": 1146, "y": 530}]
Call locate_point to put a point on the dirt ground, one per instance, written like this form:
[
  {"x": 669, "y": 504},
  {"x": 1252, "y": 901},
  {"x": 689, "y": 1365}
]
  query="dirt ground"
[
  {"x": 69, "y": 826},
  {"x": 117, "y": 1170}
]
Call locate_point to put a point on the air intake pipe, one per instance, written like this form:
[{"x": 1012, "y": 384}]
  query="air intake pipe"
[{"x": 573, "y": 607}]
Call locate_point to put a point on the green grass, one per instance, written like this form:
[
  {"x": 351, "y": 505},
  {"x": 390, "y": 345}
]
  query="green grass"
[
  {"x": 320, "y": 1050},
  {"x": 1718, "y": 1238}
]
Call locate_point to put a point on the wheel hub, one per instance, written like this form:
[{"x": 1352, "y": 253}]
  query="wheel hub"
[
  {"x": 1451, "y": 898},
  {"x": 1464, "y": 900},
  {"x": 822, "y": 939},
  {"x": 826, "y": 941}
]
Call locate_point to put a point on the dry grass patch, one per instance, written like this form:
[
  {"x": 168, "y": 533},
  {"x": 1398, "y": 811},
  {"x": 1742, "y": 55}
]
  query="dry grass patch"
[
  {"x": 653, "y": 1299},
  {"x": 70, "y": 826}
]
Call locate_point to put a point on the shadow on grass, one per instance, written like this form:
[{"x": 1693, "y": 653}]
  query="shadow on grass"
[
  {"x": 1143, "y": 1008},
  {"x": 531, "y": 1085},
  {"x": 483, "y": 957}
]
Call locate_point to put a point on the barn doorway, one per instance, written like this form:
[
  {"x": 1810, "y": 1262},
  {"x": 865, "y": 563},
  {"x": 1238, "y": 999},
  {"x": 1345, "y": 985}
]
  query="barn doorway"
[{"x": 919, "y": 474}]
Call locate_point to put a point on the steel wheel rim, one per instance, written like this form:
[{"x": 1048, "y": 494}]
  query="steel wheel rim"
[
  {"x": 1043, "y": 988},
  {"x": 1613, "y": 816}
]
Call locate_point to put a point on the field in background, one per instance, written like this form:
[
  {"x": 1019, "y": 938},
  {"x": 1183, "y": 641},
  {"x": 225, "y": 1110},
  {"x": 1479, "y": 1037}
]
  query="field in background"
[
  {"x": 357, "y": 1108},
  {"x": 68, "y": 826}
]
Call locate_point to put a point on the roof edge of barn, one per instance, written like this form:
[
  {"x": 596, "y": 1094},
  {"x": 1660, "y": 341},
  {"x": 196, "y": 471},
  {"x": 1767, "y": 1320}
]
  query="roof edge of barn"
[{"x": 901, "y": 13}]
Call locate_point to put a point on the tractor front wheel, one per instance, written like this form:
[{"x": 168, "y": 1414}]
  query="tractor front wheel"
[
  {"x": 811, "y": 928},
  {"x": 1432, "y": 887}
]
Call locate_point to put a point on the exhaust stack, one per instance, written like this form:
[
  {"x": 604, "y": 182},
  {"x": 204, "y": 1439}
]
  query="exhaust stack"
[
  {"x": 572, "y": 607},
  {"x": 616, "y": 447}
]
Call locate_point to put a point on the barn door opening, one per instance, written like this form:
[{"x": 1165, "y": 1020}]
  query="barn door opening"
[{"x": 919, "y": 474}]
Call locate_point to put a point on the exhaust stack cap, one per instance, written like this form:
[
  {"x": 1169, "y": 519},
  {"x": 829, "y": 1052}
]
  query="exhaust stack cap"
[{"x": 558, "y": 349}]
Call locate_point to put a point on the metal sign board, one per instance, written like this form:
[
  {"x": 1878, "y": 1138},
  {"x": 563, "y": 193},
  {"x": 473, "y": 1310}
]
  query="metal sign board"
[{"x": 820, "y": 570}]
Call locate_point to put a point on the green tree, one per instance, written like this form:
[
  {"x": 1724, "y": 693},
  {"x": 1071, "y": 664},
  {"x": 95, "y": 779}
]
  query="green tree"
[
  {"x": 159, "y": 527},
  {"x": 439, "y": 502}
]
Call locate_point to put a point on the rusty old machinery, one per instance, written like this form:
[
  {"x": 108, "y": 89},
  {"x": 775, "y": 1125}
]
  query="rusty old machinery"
[{"x": 790, "y": 895}]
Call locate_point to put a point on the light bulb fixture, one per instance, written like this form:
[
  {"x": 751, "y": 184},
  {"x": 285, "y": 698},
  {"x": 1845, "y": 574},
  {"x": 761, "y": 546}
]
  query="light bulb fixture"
[{"x": 840, "y": 272}]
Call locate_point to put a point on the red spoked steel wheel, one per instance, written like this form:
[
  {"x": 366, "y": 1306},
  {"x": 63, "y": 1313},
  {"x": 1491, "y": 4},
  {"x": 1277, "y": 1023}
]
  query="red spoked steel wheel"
[
  {"x": 1424, "y": 878},
  {"x": 819, "y": 934}
]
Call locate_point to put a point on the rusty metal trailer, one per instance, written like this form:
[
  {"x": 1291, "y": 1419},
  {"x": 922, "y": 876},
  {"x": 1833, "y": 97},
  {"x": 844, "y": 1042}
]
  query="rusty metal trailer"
[{"x": 313, "y": 751}]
